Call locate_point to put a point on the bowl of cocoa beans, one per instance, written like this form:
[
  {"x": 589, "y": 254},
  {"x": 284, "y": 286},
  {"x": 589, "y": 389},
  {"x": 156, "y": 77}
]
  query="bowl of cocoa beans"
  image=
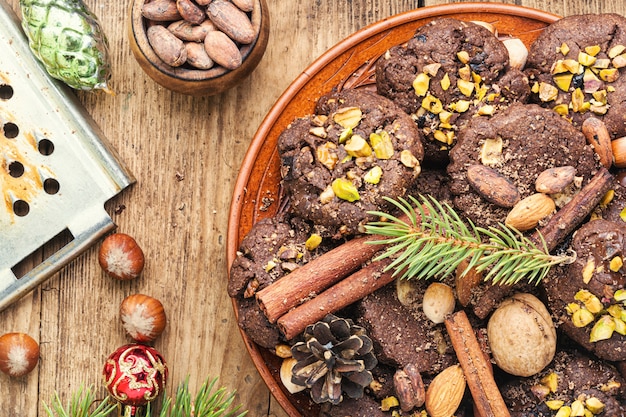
[{"x": 198, "y": 47}]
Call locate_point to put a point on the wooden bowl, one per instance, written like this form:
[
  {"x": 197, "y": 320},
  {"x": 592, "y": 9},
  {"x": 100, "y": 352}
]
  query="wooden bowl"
[
  {"x": 185, "y": 79},
  {"x": 348, "y": 64}
]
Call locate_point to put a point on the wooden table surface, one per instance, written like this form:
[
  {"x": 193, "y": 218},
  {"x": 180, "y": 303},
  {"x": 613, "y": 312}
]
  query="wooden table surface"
[{"x": 185, "y": 153}]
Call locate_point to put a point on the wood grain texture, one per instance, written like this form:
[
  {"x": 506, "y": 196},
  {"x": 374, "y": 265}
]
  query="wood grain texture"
[{"x": 185, "y": 153}]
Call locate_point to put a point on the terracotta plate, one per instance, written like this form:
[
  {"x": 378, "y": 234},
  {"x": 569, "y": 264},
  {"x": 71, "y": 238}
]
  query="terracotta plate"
[{"x": 350, "y": 63}]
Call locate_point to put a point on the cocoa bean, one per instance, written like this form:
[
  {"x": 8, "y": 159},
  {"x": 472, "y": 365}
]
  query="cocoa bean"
[
  {"x": 160, "y": 11},
  {"x": 197, "y": 56},
  {"x": 190, "y": 32},
  {"x": 203, "y": 2},
  {"x": 245, "y": 5},
  {"x": 492, "y": 186},
  {"x": 190, "y": 11},
  {"x": 167, "y": 46},
  {"x": 222, "y": 50},
  {"x": 232, "y": 21}
]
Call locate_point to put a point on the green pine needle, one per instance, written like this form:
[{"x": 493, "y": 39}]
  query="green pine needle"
[
  {"x": 80, "y": 404},
  {"x": 435, "y": 240}
]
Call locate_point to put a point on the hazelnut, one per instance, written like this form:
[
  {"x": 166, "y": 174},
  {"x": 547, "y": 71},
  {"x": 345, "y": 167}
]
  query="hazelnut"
[
  {"x": 438, "y": 302},
  {"x": 19, "y": 354},
  {"x": 143, "y": 317},
  {"x": 121, "y": 257},
  {"x": 521, "y": 335}
]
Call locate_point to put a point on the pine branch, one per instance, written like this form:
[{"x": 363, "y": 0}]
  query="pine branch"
[
  {"x": 80, "y": 404},
  {"x": 435, "y": 240}
]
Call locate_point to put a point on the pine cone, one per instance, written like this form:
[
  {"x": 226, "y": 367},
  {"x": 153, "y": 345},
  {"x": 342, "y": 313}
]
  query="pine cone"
[{"x": 336, "y": 357}]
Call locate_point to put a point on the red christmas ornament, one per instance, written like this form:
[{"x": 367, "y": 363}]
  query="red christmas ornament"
[{"x": 135, "y": 374}]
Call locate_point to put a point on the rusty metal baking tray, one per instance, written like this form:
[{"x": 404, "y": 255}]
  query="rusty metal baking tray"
[{"x": 56, "y": 169}]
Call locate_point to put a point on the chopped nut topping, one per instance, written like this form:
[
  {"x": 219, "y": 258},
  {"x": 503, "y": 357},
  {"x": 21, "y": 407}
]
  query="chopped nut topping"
[
  {"x": 445, "y": 82},
  {"x": 313, "y": 242},
  {"x": 616, "y": 50},
  {"x": 345, "y": 190},
  {"x": 348, "y": 117},
  {"x": 466, "y": 87},
  {"x": 463, "y": 57},
  {"x": 356, "y": 146},
  {"x": 421, "y": 83},
  {"x": 326, "y": 155},
  {"x": 382, "y": 144},
  {"x": 432, "y": 69},
  {"x": 374, "y": 175}
]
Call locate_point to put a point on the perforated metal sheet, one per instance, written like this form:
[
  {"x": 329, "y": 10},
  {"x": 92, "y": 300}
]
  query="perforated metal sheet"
[{"x": 56, "y": 169}]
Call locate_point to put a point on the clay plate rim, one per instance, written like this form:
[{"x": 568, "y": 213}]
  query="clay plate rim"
[{"x": 348, "y": 64}]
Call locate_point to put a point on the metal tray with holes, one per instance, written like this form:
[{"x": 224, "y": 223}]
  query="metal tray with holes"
[{"x": 56, "y": 169}]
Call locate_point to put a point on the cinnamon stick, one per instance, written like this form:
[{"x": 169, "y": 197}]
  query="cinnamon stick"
[
  {"x": 488, "y": 400},
  {"x": 349, "y": 290},
  {"x": 314, "y": 277}
]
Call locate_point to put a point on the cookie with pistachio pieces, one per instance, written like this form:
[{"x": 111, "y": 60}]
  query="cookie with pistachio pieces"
[
  {"x": 340, "y": 162},
  {"x": 577, "y": 66}
]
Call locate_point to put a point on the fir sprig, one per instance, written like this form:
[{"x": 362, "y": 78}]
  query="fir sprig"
[
  {"x": 435, "y": 240},
  {"x": 208, "y": 402},
  {"x": 81, "y": 402}
]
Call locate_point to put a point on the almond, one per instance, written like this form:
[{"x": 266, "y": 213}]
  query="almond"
[
  {"x": 492, "y": 186},
  {"x": 527, "y": 213},
  {"x": 555, "y": 180},
  {"x": 229, "y": 19},
  {"x": 445, "y": 392},
  {"x": 222, "y": 50},
  {"x": 599, "y": 138}
]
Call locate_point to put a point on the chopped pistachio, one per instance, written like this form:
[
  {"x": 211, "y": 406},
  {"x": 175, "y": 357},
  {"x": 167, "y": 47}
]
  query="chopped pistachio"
[
  {"x": 603, "y": 329},
  {"x": 318, "y": 131},
  {"x": 598, "y": 109},
  {"x": 615, "y": 310},
  {"x": 476, "y": 78},
  {"x": 602, "y": 63},
  {"x": 440, "y": 136},
  {"x": 564, "y": 49},
  {"x": 388, "y": 403},
  {"x": 481, "y": 92},
  {"x": 345, "y": 190},
  {"x": 554, "y": 404},
  {"x": 462, "y": 106},
  {"x": 374, "y": 175},
  {"x": 620, "y": 295},
  {"x": 622, "y": 214},
  {"x": 593, "y": 50},
  {"x": 610, "y": 386},
  {"x": 609, "y": 75},
  {"x": 564, "y": 411},
  {"x": 547, "y": 92},
  {"x": 594, "y": 405},
  {"x": 465, "y": 73},
  {"x": 445, "y": 82},
  {"x": 535, "y": 87},
  {"x": 486, "y": 110},
  {"x": 577, "y": 409},
  {"x": 620, "y": 326},
  {"x": 356, "y": 146},
  {"x": 582, "y": 317},
  {"x": 616, "y": 50},
  {"x": 572, "y": 66},
  {"x": 450, "y": 137},
  {"x": 571, "y": 308},
  {"x": 382, "y": 144},
  {"x": 463, "y": 57},
  {"x": 616, "y": 264},
  {"x": 408, "y": 159},
  {"x": 591, "y": 302},
  {"x": 559, "y": 67},
  {"x": 432, "y": 104},
  {"x": 562, "y": 109},
  {"x": 345, "y": 135},
  {"x": 578, "y": 101},
  {"x": 466, "y": 87},
  {"x": 619, "y": 61},
  {"x": 421, "y": 83},
  {"x": 313, "y": 242},
  {"x": 445, "y": 116},
  {"x": 586, "y": 59},
  {"x": 600, "y": 96},
  {"x": 319, "y": 119},
  {"x": 432, "y": 69},
  {"x": 551, "y": 381},
  {"x": 588, "y": 269},
  {"x": 270, "y": 265},
  {"x": 326, "y": 155},
  {"x": 348, "y": 117},
  {"x": 564, "y": 80}
]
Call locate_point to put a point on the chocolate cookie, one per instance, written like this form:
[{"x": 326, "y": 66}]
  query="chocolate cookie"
[
  {"x": 445, "y": 74},
  {"x": 272, "y": 249},
  {"x": 570, "y": 377},
  {"x": 585, "y": 296},
  {"x": 498, "y": 160},
  {"x": 341, "y": 162},
  {"x": 576, "y": 67}
]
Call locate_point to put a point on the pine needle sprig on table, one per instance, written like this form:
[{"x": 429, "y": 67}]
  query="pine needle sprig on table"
[
  {"x": 81, "y": 401},
  {"x": 432, "y": 240}
]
